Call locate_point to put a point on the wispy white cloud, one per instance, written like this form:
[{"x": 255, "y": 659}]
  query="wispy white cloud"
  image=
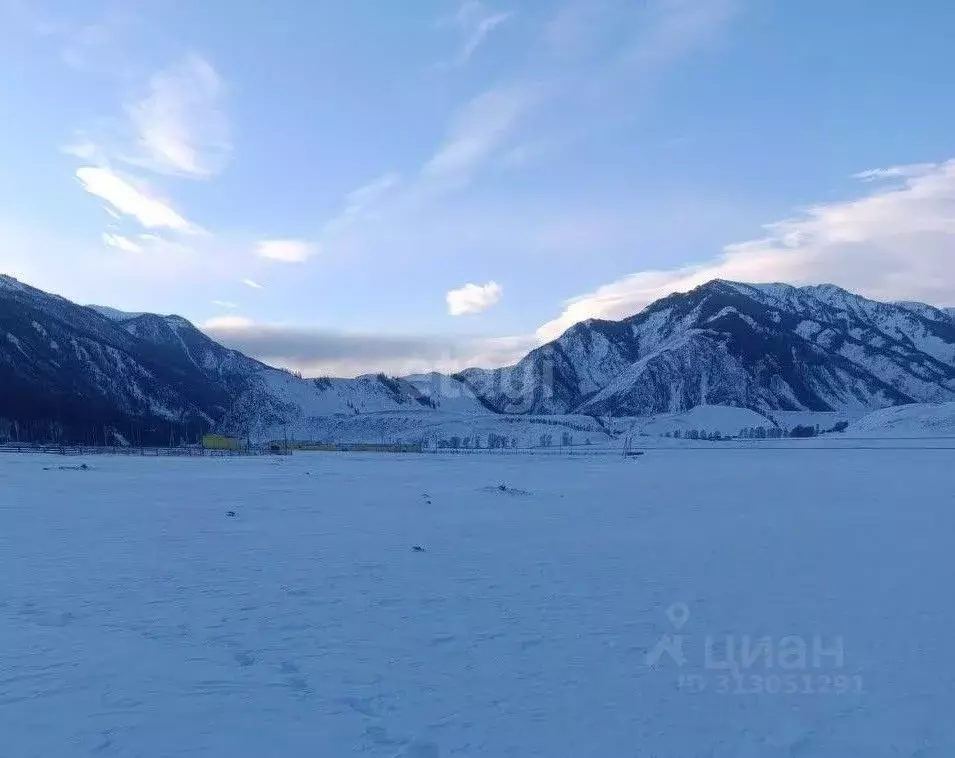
[
  {"x": 479, "y": 135},
  {"x": 619, "y": 39},
  {"x": 484, "y": 27},
  {"x": 252, "y": 283},
  {"x": 898, "y": 242},
  {"x": 225, "y": 304},
  {"x": 609, "y": 56},
  {"x": 475, "y": 22},
  {"x": 226, "y": 323},
  {"x": 473, "y": 298},
  {"x": 478, "y": 132},
  {"x": 181, "y": 125},
  {"x": 178, "y": 126},
  {"x": 360, "y": 198},
  {"x": 669, "y": 30},
  {"x": 286, "y": 251},
  {"x": 363, "y": 199},
  {"x": 122, "y": 243},
  {"x": 478, "y": 24},
  {"x": 130, "y": 200}
]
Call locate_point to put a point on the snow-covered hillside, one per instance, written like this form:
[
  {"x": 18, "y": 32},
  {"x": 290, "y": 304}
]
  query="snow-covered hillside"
[
  {"x": 725, "y": 420},
  {"x": 449, "y": 430},
  {"x": 908, "y": 421},
  {"x": 448, "y": 393},
  {"x": 304, "y": 399},
  {"x": 67, "y": 371}
]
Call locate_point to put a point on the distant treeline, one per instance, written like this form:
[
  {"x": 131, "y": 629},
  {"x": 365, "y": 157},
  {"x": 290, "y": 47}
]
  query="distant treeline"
[
  {"x": 137, "y": 432},
  {"x": 56, "y": 419},
  {"x": 759, "y": 432}
]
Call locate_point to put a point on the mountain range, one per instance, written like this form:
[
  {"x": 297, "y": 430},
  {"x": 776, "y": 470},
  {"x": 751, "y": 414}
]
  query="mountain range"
[
  {"x": 764, "y": 347},
  {"x": 94, "y": 374}
]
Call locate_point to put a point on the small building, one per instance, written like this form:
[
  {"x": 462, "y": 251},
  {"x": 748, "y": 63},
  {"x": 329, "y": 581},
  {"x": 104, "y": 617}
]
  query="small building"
[{"x": 219, "y": 442}]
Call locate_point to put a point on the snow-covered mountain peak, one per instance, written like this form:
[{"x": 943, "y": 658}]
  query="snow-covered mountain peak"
[
  {"x": 178, "y": 322},
  {"x": 114, "y": 314},
  {"x": 775, "y": 290},
  {"x": 828, "y": 292}
]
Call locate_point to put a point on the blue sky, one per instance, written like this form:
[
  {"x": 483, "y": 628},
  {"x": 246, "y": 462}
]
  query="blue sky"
[{"x": 350, "y": 186}]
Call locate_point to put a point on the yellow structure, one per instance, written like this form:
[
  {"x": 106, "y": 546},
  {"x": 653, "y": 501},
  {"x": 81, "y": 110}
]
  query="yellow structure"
[{"x": 219, "y": 442}]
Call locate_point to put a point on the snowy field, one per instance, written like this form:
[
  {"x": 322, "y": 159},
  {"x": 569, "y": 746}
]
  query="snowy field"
[{"x": 139, "y": 619}]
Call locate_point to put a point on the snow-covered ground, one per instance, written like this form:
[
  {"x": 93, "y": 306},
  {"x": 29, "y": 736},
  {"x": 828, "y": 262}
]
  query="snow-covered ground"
[{"x": 139, "y": 619}]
